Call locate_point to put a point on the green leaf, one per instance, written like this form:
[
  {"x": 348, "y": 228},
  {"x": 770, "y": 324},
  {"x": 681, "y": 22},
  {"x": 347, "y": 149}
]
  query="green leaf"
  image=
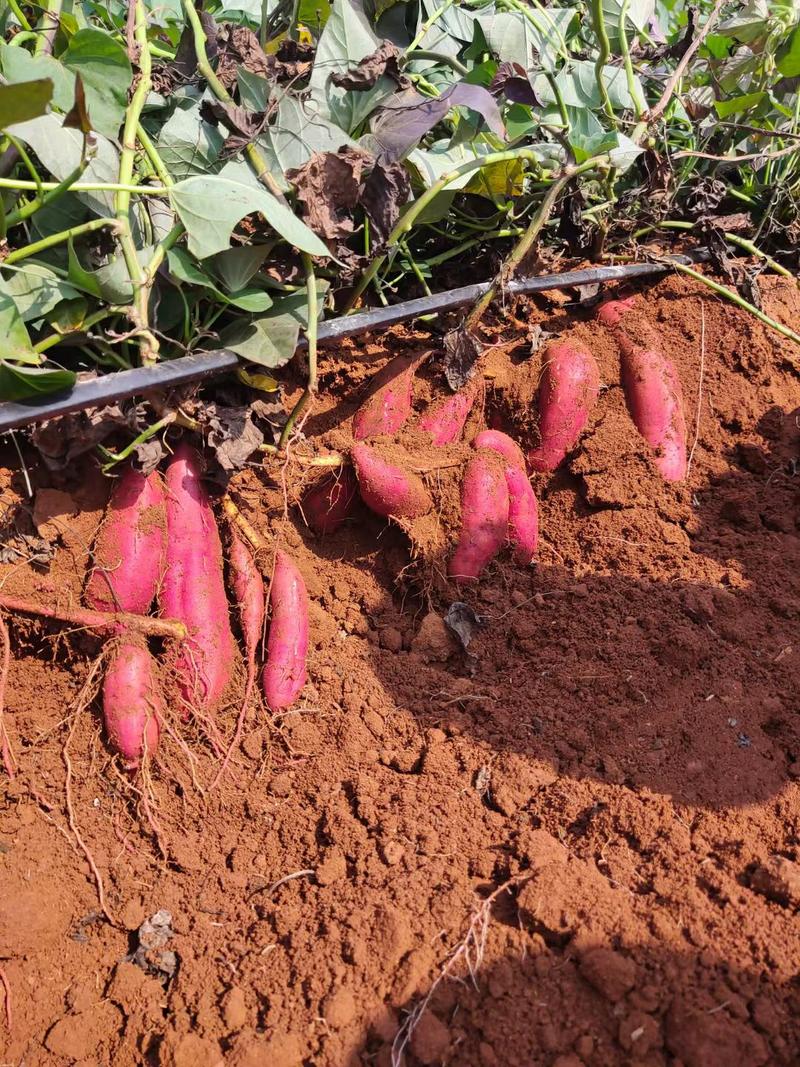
[
  {"x": 80, "y": 277},
  {"x": 106, "y": 73},
  {"x": 26, "y": 100},
  {"x": 35, "y": 289},
  {"x": 210, "y": 207},
  {"x": 578, "y": 86},
  {"x": 16, "y": 343},
  {"x": 516, "y": 39},
  {"x": 187, "y": 144},
  {"x": 346, "y": 39},
  {"x": 59, "y": 150},
  {"x": 271, "y": 339},
  {"x": 236, "y": 266},
  {"x": 253, "y": 90},
  {"x": 298, "y": 132},
  {"x": 20, "y": 66},
  {"x": 737, "y": 104},
  {"x": 789, "y": 56},
  {"x": 25, "y": 383},
  {"x": 184, "y": 269},
  {"x": 639, "y": 14}
]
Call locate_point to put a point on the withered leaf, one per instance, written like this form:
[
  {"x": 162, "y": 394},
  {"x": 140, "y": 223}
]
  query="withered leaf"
[
  {"x": 385, "y": 193},
  {"x": 77, "y": 118},
  {"x": 511, "y": 80},
  {"x": 328, "y": 187},
  {"x": 461, "y": 349},
  {"x": 384, "y": 60},
  {"x": 238, "y": 46},
  {"x": 463, "y": 622},
  {"x": 183, "y": 68},
  {"x": 232, "y": 434},
  {"x": 60, "y": 441},
  {"x": 292, "y": 61},
  {"x": 242, "y": 125}
]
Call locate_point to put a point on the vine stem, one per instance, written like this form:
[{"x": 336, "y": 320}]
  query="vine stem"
[
  {"x": 58, "y": 238},
  {"x": 257, "y": 161},
  {"x": 421, "y": 33},
  {"x": 45, "y": 198},
  {"x": 635, "y": 90},
  {"x": 148, "y": 342},
  {"x": 733, "y": 238},
  {"x": 734, "y": 298},
  {"x": 603, "y": 55},
  {"x": 19, "y": 14},
  {"x": 47, "y": 30},
  {"x": 407, "y": 220},
  {"x": 86, "y": 187},
  {"x": 311, "y": 336}
]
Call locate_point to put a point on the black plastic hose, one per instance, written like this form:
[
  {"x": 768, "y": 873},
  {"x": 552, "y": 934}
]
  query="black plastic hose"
[{"x": 121, "y": 385}]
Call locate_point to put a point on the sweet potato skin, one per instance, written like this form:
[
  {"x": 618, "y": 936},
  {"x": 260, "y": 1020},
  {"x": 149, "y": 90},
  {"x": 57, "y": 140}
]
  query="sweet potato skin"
[
  {"x": 612, "y": 312},
  {"x": 654, "y": 397},
  {"x": 523, "y": 515},
  {"x": 501, "y": 443},
  {"x": 331, "y": 501},
  {"x": 484, "y": 516},
  {"x": 130, "y": 545},
  {"x": 133, "y": 705},
  {"x": 248, "y": 590},
  {"x": 445, "y": 421},
  {"x": 569, "y": 387},
  {"x": 193, "y": 589},
  {"x": 388, "y": 489},
  {"x": 388, "y": 403},
  {"x": 284, "y": 673}
]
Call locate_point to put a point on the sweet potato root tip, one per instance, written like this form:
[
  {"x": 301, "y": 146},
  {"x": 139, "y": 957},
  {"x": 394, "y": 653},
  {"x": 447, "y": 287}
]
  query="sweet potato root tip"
[
  {"x": 284, "y": 673},
  {"x": 193, "y": 589},
  {"x": 484, "y": 516},
  {"x": 445, "y": 420},
  {"x": 655, "y": 401},
  {"x": 387, "y": 489},
  {"x": 569, "y": 387},
  {"x": 133, "y": 705},
  {"x": 612, "y": 312},
  {"x": 331, "y": 501},
  {"x": 130, "y": 545},
  {"x": 388, "y": 403}
]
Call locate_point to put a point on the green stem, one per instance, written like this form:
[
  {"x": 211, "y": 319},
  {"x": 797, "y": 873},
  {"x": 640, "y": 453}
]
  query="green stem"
[
  {"x": 603, "y": 55},
  {"x": 437, "y": 14},
  {"x": 733, "y": 238},
  {"x": 526, "y": 12},
  {"x": 48, "y": 28},
  {"x": 257, "y": 161},
  {"x": 148, "y": 342},
  {"x": 26, "y": 159},
  {"x": 415, "y": 268},
  {"x": 738, "y": 300},
  {"x": 152, "y": 153},
  {"x": 456, "y": 250},
  {"x": 414, "y": 210},
  {"x": 112, "y": 458},
  {"x": 86, "y": 187},
  {"x": 57, "y": 239},
  {"x": 439, "y": 57},
  {"x": 311, "y": 336},
  {"x": 519, "y": 251},
  {"x": 54, "y": 339},
  {"x": 19, "y": 14},
  {"x": 48, "y": 197},
  {"x": 634, "y": 88}
]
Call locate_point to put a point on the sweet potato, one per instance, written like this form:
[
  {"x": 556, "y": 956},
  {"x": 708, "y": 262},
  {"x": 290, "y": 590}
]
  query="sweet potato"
[
  {"x": 523, "y": 510},
  {"x": 388, "y": 403},
  {"x": 331, "y": 501},
  {"x": 484, "y": 516},
  {"x": 655, "y": 400},
  {"x": 129, "y": 549},
  {"x": 133, "y": 704},
  {"x": 569, "y": 387},
  {"x": 387, "y": 489},
  {"x": 445, "y": 420},
  {"x": 248, "y": 591},
  {"x": 193, "y": 590},
  {"x": 612, "y": 312},
  {"x": 284, "y": 674}
]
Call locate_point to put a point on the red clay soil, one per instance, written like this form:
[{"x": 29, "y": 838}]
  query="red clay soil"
[{"x": 614, "y": 762}]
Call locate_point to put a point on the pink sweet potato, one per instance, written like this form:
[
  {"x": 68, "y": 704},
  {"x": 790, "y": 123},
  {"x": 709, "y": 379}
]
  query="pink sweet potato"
[
  {"x": 193, "y": 589},
  {"x": 484, "y": 516},
  {"x": 129, "y": 549},
  {"x": 248, "y": 591},
  {"x": 569, "y": 387},
  {"x": 133, "y": 704},
  {"x": 331, "y": 501},
  {"x": 287, "y": 645},
  {"x": 445, "y": 420},
  {"x": 388, "y": 489},
  {"x": 612, "y": 312},
  {"x": 388, "y": 403},
  {"x": 655, "y": 400},
  {"x": 523, "y": 510}
]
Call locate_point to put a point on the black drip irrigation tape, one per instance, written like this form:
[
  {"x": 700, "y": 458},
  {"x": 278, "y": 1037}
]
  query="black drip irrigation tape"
[{"x": 111, "y": 388}]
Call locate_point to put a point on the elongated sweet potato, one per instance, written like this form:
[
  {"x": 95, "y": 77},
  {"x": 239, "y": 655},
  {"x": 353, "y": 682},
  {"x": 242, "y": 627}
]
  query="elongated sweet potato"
[
  {"x": 569, "y": 387},
  {"x": 129, "y": 549},
  {"x": 248, "y": 589},
  {"x": 331, "y": 501},
  {"x": 193, "y": 589},
  {"x": 388, "y": 489},
  {"x": 445, "y": 420},
  {"x": 284, "y": 674},
  {"x": 655, "y": 400},
  {"x": 388, "y": 403},
  {"x": 133, "y": 704},
  {"x": 523, "y": 509},
  {"x": 484, "y": 516},
  {"x": 612, "y": 312}
]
